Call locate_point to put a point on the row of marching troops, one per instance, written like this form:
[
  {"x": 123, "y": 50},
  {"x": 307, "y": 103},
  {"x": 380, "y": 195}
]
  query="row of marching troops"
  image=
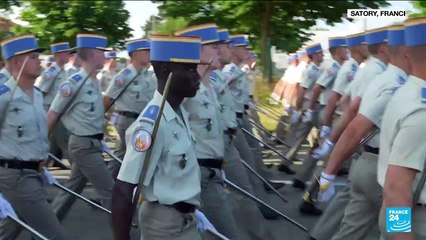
[
  {"x": 182, "y": 107},
  {"x": 377, "y": 81}
]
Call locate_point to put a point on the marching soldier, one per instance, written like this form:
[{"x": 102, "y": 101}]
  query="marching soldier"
[
  {"x": 73, "y": 65},
  {"x": 24, "y": 144},
  {"x": 131, "y": 90},
  {"x": 234, "y": 169},
  {"x": 359, "y": 53},
  {"x": 204, "y": 120},
  {"x": 402, "y": 141},
  {"x": 109, "y": 71},
  {"x": 48, "y": 84},
  {"x": 365, "y": 199},
  {"x": 78, "y": 105},
  {"x": 377, "y": 41},
  {"x": 171, "y": 187}
]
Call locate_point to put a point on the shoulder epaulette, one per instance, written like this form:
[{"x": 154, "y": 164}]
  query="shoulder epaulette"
[{"x": 4, "y": 89}]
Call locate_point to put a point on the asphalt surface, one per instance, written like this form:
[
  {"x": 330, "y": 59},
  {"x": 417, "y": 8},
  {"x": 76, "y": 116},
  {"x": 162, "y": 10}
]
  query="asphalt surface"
[{"x": 86, "y": 223}]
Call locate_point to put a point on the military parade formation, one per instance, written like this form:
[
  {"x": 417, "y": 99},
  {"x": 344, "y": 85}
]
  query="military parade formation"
[{"x": 189, "y": 161}]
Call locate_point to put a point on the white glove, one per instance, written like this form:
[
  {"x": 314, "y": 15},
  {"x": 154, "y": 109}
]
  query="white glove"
[
  {"x": 325, "y": 149},
  {"x": 105, "y": 147},
  {"x": 222, "y": 173},
  {"x": 203, "y": 223},
  {"x": 327, "y": 189},
  {"x": 5, "y": 208},
  {"x": 295, "y": 117},
  {"x": 325, "y": 132},
  {"x": 48, "y": 178},
  {"x": 308, "y": 116}
]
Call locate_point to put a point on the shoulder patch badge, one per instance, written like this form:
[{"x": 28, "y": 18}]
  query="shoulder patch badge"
[
  {"x": 4, "y": 89},
  {"x": 213, "y": 76},
  {"x": 424, "y": 95},
  {"x": 76, "y": 77},
  {"x": 119, "y": 80},
  {"x": 1, "y": 76},
  {"x": 126, "y": 71},
  {"x": 66, "y": 90},
  {"x": 141, "y": 140},
  {"x": 151, "y": 112}
]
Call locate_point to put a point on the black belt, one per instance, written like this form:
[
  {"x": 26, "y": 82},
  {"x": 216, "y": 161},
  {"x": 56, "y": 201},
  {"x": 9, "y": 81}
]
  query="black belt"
[
  {"x": 181, "y": 207},
  {"x": 230, "y": 131},
  {"x": 210, "y": 163},
  {"x": 372, "y": 150},
  {"x": 246, "y": 107},
  {"x": 36, "y": 165},
  {"x": 239, "y": 115},
  {"x": 421, "y": 205},
  {"x": 128, "y": 114},
  {"x": 98, "y": 136},
  {"x": 251, "y": 96}
]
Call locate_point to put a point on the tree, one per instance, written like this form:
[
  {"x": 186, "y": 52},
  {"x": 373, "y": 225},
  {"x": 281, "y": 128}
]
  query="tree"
[
  {"x": 6, "y": 5},
  {"x": 55, "y": 21},
  {"x": 280, "y": 23},
  {"x": 421, "y": 7}
]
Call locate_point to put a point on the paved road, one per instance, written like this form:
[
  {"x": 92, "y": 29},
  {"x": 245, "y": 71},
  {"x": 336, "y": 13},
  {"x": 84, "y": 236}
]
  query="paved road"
[{"x": 87, "y": 223}]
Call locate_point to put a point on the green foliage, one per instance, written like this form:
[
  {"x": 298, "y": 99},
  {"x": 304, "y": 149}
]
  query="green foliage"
[
  {"x": 284, "y": 22},
  {"x": 421, "y": 7},
  {"x": 5, "y": 5},
  {"x": 170, "y": 25},
  {"x": 55, "y": 21}
]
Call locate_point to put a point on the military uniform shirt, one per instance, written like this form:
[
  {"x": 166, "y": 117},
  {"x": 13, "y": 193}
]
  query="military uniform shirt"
[
  {"x": 246, "y": 85},
  {"x": 24, "y": 130},
  {"x": 326, "y": 79},
  {"x": 4, "y": 75},
  {"x": 402, "y": 140},
  {"x": 251, "y": 78},
  {"x": 205, "y": 123},
  {"x": 137, "y": 95},
  {"x": 173, "y": 174},
  {"x": 309, "y": 77},
  {"x": 105, "y": 76},
  {"x": 364, "y": 76},
  {"x": 345, "y": 76},
  {"x": 225, "y": 98},
  {"x": 49, "y": 83},
  {"x": 298, "y": 72},
  {"x": 71, "y": 70},
  {"x": 289, "y": 74},
  {"x": 237, "y": 79},
  {"x": 85, "y": 114},
  {"x": 377, "y": 97}
]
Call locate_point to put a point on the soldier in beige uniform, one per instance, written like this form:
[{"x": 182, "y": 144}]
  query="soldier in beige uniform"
[
  {"x": 131, "y": 90},
  {"x": 204, "y": 119},
  {"x": 79, "y": 105},
  {"x": 171, "y": 184},
  {"x": 106, "y": 75},
  {"x": 73, "y": 65},
  {"x": 49, "y": 84},
  {"x": 402, "y": 156},
  {"x": 24, "y": 144}
]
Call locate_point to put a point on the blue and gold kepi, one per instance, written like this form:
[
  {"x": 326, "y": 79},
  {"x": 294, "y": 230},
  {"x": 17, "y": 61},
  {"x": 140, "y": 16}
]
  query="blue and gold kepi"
[
  {"x": 355, "y": 39},
  {"x": 89, "y": 40},
  {"x": 314, "y": 49},
  {"x": 375, "y": 36},
  {"x": 17, "y": 45},
  {"x": 396, "y": 35},
  {"x": 337, "y": 42},
  {"x": 238, "y": 40},
  {"x": 207, "y": 32},
  {"x": 180, "y": 49},
  {"x": 137, "y": 44},
  {"x": 60, "y": 47},
  {"x": 415, "y": 31},
  {"x": 300, "y": 53},
  {"x": 223, "y": 35},
  {"x": 110, "y": 54}
]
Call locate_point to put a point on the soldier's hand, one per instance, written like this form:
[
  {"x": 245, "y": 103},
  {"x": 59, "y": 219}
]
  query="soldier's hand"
[
  {"x": 48, "y": 178},
  {"x": 308, "y": 116},
  {"x": 325, "y": 132},
  {"x": 326, "y": 189},
  {"x": 5, "y": 208},
  {"x": 295, "y": 117},
  {"x": 203, "y": 223},
  {"x": 105, "y": 147},
  {"x": 325, "y": 149}
]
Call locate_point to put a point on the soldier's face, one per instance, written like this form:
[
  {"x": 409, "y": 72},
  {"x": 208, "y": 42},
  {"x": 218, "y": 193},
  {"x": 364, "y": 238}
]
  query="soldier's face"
[
  {"x": 185, "y": 79},
  {"x": 62, "y": 57},
  {"x": 210, "y": 52},
  {"x": 141, "y": 57},
  {"x": 97, "y": 58},
  {"x": 363, "y": 50},
  {"x": 241, "y": 53},
  {"x": 225, "y": 53},
  {"x": 319, "y": 57},
  {"x": 29, "y": 63}
]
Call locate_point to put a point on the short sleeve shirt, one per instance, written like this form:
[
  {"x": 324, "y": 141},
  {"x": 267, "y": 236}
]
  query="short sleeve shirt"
[
  {"x": 50, "y": 81},
  {"x": 345, "y": 76},
  {"x": 402, "y": 139}
]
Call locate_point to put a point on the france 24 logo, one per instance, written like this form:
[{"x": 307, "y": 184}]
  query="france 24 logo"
[{"x": 398, "y": 219}]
